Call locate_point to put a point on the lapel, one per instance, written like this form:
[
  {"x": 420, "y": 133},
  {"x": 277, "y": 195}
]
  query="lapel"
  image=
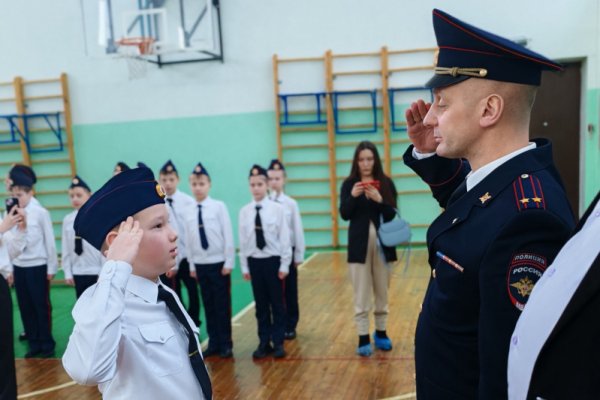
[
  {"x": 486, "y": 191},
  {"x": 589, "y": 286}
]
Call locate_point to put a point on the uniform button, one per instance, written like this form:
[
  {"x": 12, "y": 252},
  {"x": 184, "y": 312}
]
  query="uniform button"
[
  {"x": 433, "y": 273},
  {"x": 515, "y": 340},
  {"x": 162, "y": 338},
  {"x": 455, "y": 220},
  {"x": 524, "y": 176},
  {"x": 551, "y": 272}
]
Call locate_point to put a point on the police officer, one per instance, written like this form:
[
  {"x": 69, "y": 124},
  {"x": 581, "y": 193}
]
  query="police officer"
[{"x": 506, "y": 213}]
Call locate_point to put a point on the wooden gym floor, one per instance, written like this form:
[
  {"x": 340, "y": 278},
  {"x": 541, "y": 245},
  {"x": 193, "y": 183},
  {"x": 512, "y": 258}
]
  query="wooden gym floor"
[{"x": 321, "y": 362}]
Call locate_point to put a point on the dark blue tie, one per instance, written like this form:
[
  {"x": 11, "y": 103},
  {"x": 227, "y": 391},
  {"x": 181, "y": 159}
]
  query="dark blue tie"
[
  {"x": 203, "y": 239},
  {"x": 193, "y": 352},
  {"x": 260, "y": 236},
  {"x": 78, "y": 245}
]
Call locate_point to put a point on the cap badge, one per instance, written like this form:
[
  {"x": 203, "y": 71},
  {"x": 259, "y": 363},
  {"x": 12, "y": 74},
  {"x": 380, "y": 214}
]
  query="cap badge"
[
  {"x": 254, "y": 171},
  {"x": 160, "y": 191}
]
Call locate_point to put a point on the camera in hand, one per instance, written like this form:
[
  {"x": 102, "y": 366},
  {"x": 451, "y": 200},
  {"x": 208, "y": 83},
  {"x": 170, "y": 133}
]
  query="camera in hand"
[{"x": 10, "y": 203}]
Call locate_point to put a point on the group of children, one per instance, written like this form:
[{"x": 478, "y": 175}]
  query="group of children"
[{"x": 271, "y": 246}]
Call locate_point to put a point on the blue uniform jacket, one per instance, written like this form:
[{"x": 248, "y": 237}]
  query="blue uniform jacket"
[{"x": 504, "y": 233}]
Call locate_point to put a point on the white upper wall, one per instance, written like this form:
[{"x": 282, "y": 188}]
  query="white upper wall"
[{"x": 41, "y": 38}]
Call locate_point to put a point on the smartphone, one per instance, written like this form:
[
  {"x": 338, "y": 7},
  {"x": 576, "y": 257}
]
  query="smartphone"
[
  {"x": 375, "y": 184},
  {"x": 10, "y": 203}
]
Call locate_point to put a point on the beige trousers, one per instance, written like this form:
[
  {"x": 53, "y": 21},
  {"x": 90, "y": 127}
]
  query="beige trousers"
[{"x": 368, "y": 279}]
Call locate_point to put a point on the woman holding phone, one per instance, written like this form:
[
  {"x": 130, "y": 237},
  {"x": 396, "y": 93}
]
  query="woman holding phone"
[{"x": 368, "y": 194}]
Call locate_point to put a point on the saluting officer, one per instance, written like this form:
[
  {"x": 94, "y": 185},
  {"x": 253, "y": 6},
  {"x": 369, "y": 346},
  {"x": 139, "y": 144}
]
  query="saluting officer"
[{"x": 506, "y": 213}]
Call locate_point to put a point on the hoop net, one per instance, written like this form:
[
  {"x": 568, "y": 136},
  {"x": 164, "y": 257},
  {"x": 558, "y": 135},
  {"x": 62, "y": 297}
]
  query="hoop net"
[{"x": 132, "y": 51}]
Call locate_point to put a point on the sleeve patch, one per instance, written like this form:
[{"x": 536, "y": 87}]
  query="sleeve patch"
[
  {"x": 528, "y": 193},
  {"x": 524, "y": 271}
]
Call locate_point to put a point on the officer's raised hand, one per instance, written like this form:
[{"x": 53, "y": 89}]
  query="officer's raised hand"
[{"x": 419, "y": 134}]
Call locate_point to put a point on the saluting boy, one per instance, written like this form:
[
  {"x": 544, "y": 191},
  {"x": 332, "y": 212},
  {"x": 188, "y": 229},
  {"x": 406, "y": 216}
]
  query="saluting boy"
[
  {"x": 132, "y": 336},
  {"x": 265, "y": 255},
  {"x": 35, "y": 267},
  {"x": 277, "y": 176},
  {"x": 177, "y": 203},
  {"x": 211, "y": 252},
  {"x": 81, "y": 262}
]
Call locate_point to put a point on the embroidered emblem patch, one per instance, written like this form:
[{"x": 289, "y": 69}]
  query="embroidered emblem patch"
[{"x": 524, "y": 271}]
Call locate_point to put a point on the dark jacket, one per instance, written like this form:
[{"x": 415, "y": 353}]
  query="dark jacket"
[
  {"x": 360, "y": 211},
  {"x": 568, "y": 366},
  {"x": 504, "y": 232}
]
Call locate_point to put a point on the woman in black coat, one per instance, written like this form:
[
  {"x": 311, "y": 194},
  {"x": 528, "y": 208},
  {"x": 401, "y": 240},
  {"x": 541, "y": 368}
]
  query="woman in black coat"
[{"x": 367, "y": 196}]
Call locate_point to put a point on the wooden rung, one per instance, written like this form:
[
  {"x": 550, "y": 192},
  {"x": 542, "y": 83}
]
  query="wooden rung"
[
  {"x": 419, "y": 225},
  {"x": 46, "y": 146},
  {"x": 344, "y": 161},
  {"x": 300, "y": 59},
  {"x": 7, "y": 99},
  {"x": 306, "y": 180},
  {"x": 354, "y": 144},
  {"x": 303, "y": 112},
  {"x": 51, "y": 161},
  {"x": 306, "y": 163},
  {"x": 349, "y": 109},
  {"x": 416, "y": 68},
  {"x": 396, "y": 141},
  {"x": 37, "y": 130},
  {"x": 56, "y": 222},
  {"x": 323, "y": 246},
  {"x": 10, "y": 147},
  {"x": 45, "y": 97},
  {"x": 304, "y": 146},
  {"x": 352, "y": 126},
  {"x": 8, "y": 163},
  {"x": 6, "y": 83},
  {"x": 57, "y": 176},
  {"x": 36, "y": 81},
  {"x": 286, "y": 129},
  {"x": 58, "y": 208},
  {"x": 311, "y": 196},
  {"x": 409, "y": 51},
  {"x": 351, "y": 73},
  {"x": 351, "y": 55},
  {"x": 309, "y": 213},
  {"x": 317, "y": 229},
  {"x": 399, "y": 176},
  {"x": 411, "y": 192},
  {"x": 50, "y": 192}
]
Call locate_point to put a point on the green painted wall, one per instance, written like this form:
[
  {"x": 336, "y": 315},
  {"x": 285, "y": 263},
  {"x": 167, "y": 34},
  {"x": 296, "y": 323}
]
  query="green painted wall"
[{"x": 591, "y": 147}]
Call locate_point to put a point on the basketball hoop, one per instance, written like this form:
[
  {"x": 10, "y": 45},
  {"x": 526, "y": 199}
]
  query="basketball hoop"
[{"x": 132, "y": 49}]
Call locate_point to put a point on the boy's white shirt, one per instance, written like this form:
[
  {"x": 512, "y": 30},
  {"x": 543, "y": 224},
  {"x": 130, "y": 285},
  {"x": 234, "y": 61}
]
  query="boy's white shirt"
[
  {"x": 219, "y": 234},
  {"x": 12, "y": 244},
  {"x": 275, "y": 230},
  {"x": 40, "y": 247},
  {"x": 294, "y": 223},
  {"x": 88, "y": 263},
  {"x": 181, "y": 202},
  {"x": 127, "y": 342}
]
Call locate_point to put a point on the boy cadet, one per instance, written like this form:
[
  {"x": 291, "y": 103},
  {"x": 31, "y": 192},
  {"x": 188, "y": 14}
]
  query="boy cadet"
[
  {"x": 11, "y": 244},
  {"x": 35, "y": 266},
  {"x": 81, "y": 262},
  {"x": 178, "y": 202},
  {"x": 132, "y": 336},
  {"x": 265, "y": 256},
  {"x": 504, "y": 221},
  {"x": 277, "y": 178},
  {"x": 211, "y": 253}
]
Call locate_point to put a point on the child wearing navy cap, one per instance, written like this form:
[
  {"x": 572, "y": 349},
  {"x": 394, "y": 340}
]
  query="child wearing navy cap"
[
  {"x": 277, "y": 176},
  {"x": 265, "y": 256},
  {"x": 211, "y": 252},
  {"x": 81, "y": 262},
  {"x": 132, "y": 337},
  {"x": 35, "y": 266},
  {"x": 178, "y": 202}
]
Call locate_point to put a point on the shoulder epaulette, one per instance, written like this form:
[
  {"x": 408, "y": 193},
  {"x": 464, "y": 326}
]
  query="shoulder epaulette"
[{"x": 528, "y": 193}]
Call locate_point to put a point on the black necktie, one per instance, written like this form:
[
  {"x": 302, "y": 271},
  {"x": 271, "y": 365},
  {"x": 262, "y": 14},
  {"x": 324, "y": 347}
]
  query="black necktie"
[
  {"x": 458, "y": 192},
  {"x": 193, "y": 352},
  {"x": 260, "y": 237},
  {"x": 78, "y": 245},
  {"x": 203, "y": 239}
]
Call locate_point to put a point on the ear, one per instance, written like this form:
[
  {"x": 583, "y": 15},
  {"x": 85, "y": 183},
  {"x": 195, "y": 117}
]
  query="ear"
[
  {"x": 493, "y": 108},
  {"x": 110, "y": 238}
]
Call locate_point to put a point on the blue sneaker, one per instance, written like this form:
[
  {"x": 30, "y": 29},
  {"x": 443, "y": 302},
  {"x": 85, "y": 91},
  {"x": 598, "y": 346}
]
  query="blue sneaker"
[
  {"x": 384, "y": 344},
  {"x": 364, "y": 351}
]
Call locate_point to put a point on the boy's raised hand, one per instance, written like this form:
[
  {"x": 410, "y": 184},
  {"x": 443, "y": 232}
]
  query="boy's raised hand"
[{"x": 125, "y": 245}]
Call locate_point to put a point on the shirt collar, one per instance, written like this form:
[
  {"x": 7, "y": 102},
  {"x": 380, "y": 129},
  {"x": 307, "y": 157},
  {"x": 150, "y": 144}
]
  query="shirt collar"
[
  {"x": 262, "y": 202},
  {"x": 474, "y": 177},
  {"x": 143, "y": 288},
  {"x": 275, "y": 196},
  {"x": 204, "y": 202}
]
